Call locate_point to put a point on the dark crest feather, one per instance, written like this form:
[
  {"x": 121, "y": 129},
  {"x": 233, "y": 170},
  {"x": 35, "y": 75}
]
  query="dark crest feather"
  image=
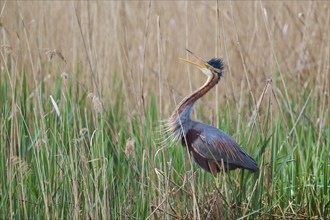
[{"x": 216, "y": 63}]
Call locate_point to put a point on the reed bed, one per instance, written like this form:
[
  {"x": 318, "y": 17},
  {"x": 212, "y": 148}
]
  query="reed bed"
[{"x": 84, "y": 87}]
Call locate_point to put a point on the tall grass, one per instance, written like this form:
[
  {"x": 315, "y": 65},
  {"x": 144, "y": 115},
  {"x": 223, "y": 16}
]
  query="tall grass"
[{"x": 80, "y": 133}]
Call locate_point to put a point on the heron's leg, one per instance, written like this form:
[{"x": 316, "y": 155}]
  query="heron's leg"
[{"x": 213, "y": 168}]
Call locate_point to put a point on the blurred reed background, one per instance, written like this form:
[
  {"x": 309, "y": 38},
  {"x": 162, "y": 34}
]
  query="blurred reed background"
[{"x": 257, "y": 40}]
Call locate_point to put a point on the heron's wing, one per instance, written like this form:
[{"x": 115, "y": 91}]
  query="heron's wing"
[{"x": 217, "y": 146}]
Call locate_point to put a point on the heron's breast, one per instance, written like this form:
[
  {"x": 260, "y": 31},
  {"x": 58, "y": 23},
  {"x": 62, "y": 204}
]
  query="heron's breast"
[{"x": 190, "y": 136}]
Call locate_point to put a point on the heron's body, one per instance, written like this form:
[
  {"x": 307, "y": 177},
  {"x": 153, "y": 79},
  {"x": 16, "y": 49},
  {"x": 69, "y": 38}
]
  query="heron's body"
[{"x": 211, "y": 148}]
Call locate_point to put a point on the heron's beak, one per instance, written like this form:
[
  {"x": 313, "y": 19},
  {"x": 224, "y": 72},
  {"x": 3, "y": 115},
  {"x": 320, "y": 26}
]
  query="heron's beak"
[{"x": 202, "y": 64}]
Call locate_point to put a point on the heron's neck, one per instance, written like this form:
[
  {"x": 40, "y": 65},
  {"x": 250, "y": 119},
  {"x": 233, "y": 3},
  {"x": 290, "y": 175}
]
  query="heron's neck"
[
  {"x": 184, "y": 108},
  {"x": 180, "y": 119}
]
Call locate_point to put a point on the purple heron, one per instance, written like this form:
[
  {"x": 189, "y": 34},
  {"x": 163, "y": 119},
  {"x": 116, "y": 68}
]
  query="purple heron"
[{"x": 211, "y": 148}]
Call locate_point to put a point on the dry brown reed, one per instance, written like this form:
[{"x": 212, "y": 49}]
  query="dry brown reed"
[{"x": 256, "y": 40}]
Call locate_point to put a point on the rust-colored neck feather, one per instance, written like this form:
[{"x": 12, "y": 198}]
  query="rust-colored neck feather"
[
  {"x": 187, "y": 102},
  {"x": 180, "y": 121}
]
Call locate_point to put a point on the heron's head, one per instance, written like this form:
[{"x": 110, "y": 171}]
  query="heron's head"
[{"x": 212, "y": 67}]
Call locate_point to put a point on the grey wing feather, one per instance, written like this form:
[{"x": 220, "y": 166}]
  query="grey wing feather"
[{"x": 214, "y": 144}]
